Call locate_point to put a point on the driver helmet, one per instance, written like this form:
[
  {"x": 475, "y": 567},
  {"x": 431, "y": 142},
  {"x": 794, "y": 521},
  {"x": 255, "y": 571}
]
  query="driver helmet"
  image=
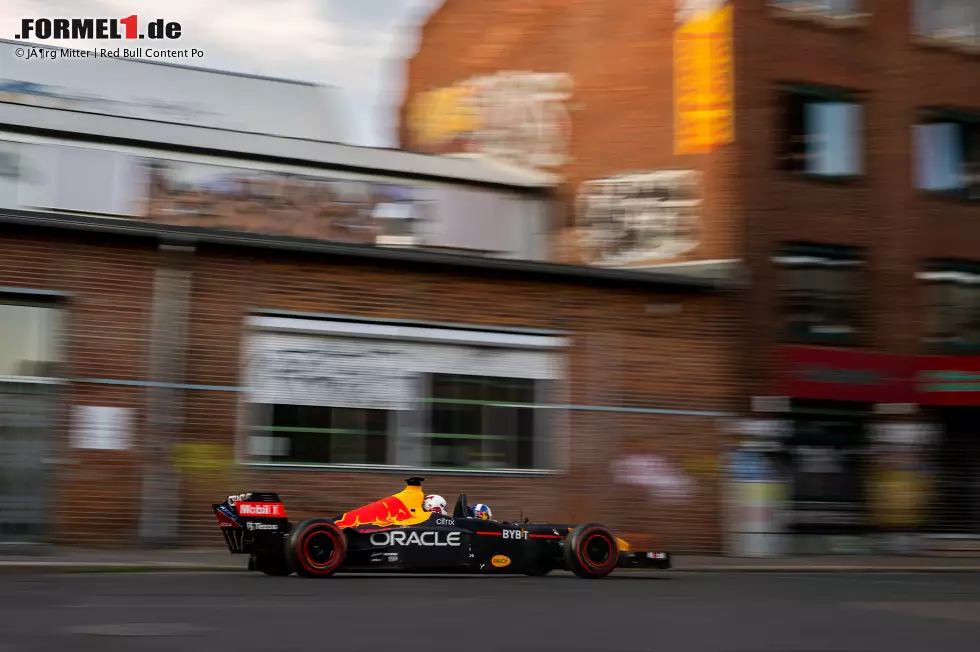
[
  {"x": 434, "y": 503},
  {"x": 481, "y": 511}
]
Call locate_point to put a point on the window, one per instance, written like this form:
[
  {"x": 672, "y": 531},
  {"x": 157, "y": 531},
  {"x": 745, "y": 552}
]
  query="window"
[
  {"x": 820, "y": 293},
  {"x": 303, "y": 434},
  {"x": 338, "y": 392},
  {"x": 82, "y": 179},
  {"x": 947, "y": 153},
  {"x": 948, "y": 20},
  {"x": 480, "y": 422},
  {"x": 820, "y": 132},
  {"x": 821, "y": 7},
  {"x": 951, "y": 293},
  {"x": 29, "y": 346}
]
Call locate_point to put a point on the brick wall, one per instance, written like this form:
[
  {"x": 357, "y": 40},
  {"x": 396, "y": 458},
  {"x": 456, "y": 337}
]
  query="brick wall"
[
  {"x": 620, "y": 56},
  {"x": 626, "y": 353},
  {"x": 882, "y": 211},
  {"x": 619, "y": 53}
]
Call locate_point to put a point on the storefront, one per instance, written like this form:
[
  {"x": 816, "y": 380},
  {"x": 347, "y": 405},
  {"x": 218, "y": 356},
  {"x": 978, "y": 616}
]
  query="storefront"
[
  {"x": 832, "y": 459},
  {"x": 948, "y": 388}
]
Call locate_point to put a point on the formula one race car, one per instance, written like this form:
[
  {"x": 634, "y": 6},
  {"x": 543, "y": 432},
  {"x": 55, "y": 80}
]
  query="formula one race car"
[{"x": 396, "y": 535}]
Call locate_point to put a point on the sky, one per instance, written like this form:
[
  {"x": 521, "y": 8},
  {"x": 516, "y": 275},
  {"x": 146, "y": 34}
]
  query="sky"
[{"x": 356, "y": 45}]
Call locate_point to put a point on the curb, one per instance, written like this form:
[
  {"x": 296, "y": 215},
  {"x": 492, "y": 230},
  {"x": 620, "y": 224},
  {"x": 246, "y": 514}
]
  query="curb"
[
  {"x": 826, "y": 569},
  {"x": 178, "y": 567},
  {"x": 108, "y": 567}
]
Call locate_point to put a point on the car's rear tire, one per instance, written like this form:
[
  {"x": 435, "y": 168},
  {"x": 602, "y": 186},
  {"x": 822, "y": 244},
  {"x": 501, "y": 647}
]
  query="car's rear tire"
[
  {"x": 270, "y": 565},
  {"x": 316, "y": 548},
  {"x": 591, "y": 551}
]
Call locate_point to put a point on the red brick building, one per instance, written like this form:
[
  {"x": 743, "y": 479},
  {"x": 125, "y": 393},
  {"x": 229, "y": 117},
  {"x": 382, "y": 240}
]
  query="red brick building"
[
  {"x": 837, "y": 147},
  {"x": 171, "y": 324}
]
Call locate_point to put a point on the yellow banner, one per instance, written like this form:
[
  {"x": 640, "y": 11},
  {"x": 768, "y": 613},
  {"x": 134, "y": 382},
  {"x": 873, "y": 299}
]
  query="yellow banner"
[
  {"x": 189, "y": 457},
  {"x": 703, "y": 82}
]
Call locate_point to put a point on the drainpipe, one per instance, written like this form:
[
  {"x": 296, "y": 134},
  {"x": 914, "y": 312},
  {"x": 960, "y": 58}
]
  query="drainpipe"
[{"x": 159, "y": 518}]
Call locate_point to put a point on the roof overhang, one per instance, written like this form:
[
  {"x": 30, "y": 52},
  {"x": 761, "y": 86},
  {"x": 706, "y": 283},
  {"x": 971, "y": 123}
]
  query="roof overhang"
[{"x": 195, "y": 236}]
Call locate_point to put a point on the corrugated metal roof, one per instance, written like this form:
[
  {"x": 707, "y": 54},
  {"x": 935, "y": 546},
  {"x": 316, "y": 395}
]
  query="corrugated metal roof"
[{"x": 78, "y": 125}]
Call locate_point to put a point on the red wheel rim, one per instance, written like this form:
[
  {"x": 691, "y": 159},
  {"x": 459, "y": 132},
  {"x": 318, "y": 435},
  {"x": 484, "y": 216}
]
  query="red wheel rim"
[
  {"x": 597, "y": 545},
  {"x": 320, "y": 550}
]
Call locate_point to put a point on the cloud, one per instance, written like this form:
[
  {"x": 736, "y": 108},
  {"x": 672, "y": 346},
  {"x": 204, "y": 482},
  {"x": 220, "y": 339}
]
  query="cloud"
[
  {"x": 257, "y": 31},
  {"x": 344, "y": 43}
]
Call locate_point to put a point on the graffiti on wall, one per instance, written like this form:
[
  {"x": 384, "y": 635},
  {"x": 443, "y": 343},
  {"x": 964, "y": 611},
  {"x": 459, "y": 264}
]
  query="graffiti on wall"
[
  {"x": 308, "y": 371},
  {"x": 663, "y": 480},
  {"x": 282, "y": 204},
  {"x": 638, "y": 219},
  {"x": 703, "y": 76},
  {"x": 520, "y": 117}
]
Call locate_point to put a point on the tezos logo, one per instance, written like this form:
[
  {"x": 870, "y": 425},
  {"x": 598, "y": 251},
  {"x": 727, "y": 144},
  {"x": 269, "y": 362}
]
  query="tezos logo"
[
  {"x": 402, "y": 538},
  {"x": 262, "y": 526}
]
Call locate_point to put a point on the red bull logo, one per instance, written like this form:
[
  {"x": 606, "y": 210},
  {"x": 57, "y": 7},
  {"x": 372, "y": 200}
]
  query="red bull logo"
[
  {"x": 389, "y": 511},
  {"x": 404, "y": 508}
]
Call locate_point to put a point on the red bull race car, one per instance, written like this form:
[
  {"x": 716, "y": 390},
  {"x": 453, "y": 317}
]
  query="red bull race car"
[{"x": 396, "y": 535}]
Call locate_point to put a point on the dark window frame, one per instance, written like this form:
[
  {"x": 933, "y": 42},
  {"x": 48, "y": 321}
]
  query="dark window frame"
[
  {"x": 834, "y": 302},
  {"x": 312, "y": 430},
  {"x": 854, "y": 8},
  {"x": 500, "y": 413},
  {"x": 791, "y": 137},
  {"x": 922, "y": 12},
  {"x": 968, "y": 122},
  {"x": 47, "y": 368},
  {"x": 951, "y": 288}
]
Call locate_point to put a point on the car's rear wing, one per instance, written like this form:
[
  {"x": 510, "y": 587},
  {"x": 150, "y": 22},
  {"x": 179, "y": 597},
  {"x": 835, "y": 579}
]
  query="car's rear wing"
[{"x": 247, "y": 520}]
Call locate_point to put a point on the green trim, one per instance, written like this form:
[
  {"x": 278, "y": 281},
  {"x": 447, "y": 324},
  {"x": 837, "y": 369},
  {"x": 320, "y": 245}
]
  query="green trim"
[
  {"x": 949, "y": 375},
  {"x": 442, "y": 435},
  {"x": 462, "y": 401},
  {"x": 317, "y": 431},
  {"x": 950, "y": 387}
]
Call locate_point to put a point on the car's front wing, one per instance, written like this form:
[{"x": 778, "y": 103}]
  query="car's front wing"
[{"x": 658, "y": 560}]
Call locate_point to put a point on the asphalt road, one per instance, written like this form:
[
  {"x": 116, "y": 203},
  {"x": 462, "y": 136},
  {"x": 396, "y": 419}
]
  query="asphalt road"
[{"x": 712, "y": 612}]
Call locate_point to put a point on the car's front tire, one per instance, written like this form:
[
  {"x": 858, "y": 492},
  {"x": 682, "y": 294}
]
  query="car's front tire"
[
  {"x": 591, "y": 551},
  {"x": 316, "y": 548}
]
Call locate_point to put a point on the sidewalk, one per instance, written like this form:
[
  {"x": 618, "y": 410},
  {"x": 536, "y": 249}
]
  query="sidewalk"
[{"x": 72, "y": 559}]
